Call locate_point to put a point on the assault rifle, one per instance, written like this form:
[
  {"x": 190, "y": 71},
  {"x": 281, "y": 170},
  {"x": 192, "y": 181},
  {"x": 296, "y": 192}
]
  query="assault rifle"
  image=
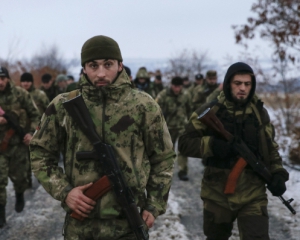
[
  {"x": 209, "y": 119},
  {"x": 105, "y": 154},
  {"x": 14, "y": 128}
]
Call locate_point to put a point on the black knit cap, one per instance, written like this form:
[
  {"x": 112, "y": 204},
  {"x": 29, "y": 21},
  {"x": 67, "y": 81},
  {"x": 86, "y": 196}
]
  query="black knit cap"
[
  {"x": 26, "y": 77},
  {"x": 4, "y": 72},
  {"x": 46, "y": 78},
  {"x": 100, "y": 47},
  {"x": 198, "y": 76},
  {"x": 177, "y": 81},
  {"x": 236, "y": 68}
]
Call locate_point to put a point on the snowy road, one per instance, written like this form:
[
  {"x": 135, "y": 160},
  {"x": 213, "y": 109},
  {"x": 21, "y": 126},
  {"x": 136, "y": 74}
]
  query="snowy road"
[{"x": 43, "y": 218}]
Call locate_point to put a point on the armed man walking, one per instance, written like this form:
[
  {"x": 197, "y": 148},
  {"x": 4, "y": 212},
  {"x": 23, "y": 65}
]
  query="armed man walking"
[
  {"x": 176, "y": 107},
  {"x": 15, "y": 107},
  {"x": 201, "y": 92},
  {"x": 126, "y": 120},
  {"x": 231, "y": 191}
]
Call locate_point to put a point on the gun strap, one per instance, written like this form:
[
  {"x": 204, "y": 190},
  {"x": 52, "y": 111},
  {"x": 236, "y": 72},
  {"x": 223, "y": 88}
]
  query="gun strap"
[
  {"x": 262, "y": 136},
  {"x": 96, "y": 191},
  {"x": 8, "y": 135}
]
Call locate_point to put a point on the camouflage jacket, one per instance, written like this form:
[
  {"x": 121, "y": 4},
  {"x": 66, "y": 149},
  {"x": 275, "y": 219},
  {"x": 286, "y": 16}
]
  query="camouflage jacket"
[
  {"x": 17, "y": 104},
  {"x": 40, "y": 99},
  {"x": 176, "y": 109},
  {"x": 127, "y": 119},
  {"x": 51, "y": 92},
  {"x": 200, "y": 93},
  {"x": 197, "y": 139}
]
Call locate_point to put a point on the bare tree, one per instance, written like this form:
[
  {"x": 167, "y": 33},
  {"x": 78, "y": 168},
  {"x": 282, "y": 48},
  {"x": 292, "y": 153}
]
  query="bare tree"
[{"x": 187, "y": 63}]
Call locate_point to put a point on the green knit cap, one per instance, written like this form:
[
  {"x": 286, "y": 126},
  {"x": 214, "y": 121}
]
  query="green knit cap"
[{"x": 100, "y": 47}]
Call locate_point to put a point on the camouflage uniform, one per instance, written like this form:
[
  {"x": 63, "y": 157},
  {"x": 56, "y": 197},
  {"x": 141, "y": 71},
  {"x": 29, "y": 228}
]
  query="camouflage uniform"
[
  {"x": 39, "y": 98},
  {"x": 177, "y": 110},
  {"x": 148, "y": 86},
  {"x": 213, "y": 96},
  {"x": 132, "y": 123},
  {"x": 200, "y": 93},
  {"x": 52, "y": 92},
  {"x": 249, "y": 201},
  {"x": 16, "y": 102}
]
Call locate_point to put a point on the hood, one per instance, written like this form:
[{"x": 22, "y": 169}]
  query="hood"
[{"x": 238, "y": 67}]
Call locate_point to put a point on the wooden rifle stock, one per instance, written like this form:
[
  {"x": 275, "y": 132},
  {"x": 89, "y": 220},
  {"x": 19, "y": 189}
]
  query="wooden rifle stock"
[
  {"x": 209, "y": 119},
  {"x": 97, "y": 190}
]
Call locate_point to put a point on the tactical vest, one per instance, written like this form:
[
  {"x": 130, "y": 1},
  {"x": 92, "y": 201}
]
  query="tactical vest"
[{"x": 248, "y": 127}]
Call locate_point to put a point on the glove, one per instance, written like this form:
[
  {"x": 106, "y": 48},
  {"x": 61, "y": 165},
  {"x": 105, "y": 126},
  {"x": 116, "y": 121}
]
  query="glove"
[
  {"x": 221, "y": 148},
  {"x": 277, "y": 186}
]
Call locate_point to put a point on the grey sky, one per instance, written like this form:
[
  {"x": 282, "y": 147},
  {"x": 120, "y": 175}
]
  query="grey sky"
[{"x": 143, "y": 28}]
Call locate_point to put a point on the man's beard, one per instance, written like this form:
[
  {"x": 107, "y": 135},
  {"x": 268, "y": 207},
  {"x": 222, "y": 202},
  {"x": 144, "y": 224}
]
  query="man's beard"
[{"x": 240, "y": 101}]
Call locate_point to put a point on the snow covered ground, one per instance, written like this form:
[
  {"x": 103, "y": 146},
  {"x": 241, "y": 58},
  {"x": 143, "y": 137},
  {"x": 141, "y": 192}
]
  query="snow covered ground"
[{"x": 43, "y": 217}]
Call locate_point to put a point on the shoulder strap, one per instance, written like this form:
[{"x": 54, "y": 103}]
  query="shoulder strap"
[{"x": 263, "y": 146}]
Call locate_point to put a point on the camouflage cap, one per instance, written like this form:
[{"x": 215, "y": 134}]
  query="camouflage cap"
[
  {"x": 211, "y": 74},
  {"x": 4, "y": 72},
  {"x": 61, "y": 78},
  {"x": 100, "y": 47},
  {"x": 142, "y": 73}
]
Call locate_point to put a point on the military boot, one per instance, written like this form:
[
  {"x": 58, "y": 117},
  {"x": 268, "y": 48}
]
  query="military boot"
[
  {"x": 19, "y": 202},
  {"x": 2, "y": 215}
]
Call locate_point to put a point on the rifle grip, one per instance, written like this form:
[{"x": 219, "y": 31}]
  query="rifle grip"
[{"x": 97, "y": 190}]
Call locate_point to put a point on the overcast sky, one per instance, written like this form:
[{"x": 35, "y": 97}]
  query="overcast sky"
[{"x": 143, "y": 28}]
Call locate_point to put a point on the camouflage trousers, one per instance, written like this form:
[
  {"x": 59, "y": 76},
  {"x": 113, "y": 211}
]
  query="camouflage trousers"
[
  {"x": 181, "y": 159},
  {"x": 104, "y": 229},
  {"x": 14, "y": 163},
  {"x": 247, "y": 205}
]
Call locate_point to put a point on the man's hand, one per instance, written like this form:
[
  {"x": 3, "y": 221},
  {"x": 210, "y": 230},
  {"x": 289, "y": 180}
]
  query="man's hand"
[
  {"x": 27, "y": 139},
  {"x": 78, "y": 202},
  {"x": 2, "y": 121},
  {"x": 148, "y": 218}
]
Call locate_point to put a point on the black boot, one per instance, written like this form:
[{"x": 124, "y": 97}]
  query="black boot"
[
  {"x": 2, "y": 215},
  {"x": 19, "y": 202}
]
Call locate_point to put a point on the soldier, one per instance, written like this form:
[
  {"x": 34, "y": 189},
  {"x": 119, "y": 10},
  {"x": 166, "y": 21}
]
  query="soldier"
[
  {"x": 72, "y": 85},
  {"x": 38, "y": 96},
  {"x": 176, "y": 106},
  {"x": 16, "y": 105},
  {"x": 157, "y": 84},
  {"x": 40, "y": 100},
  {"x": 127, "y": 119},
  {"x": 49, "y": 87},
  {"x": 199, "y": 81},
  {"x": 143, "y": 83},
  {"x": 201, "y": 92},
  {"x": 243, "y": 115},
  {"x": 62, "y": 83}
]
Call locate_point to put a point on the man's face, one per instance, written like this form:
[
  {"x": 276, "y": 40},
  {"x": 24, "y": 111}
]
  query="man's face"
[
  {"x": 186, "y": 82},
  {"x": 176, "y": 89},
  {"x": 102, "y": 72},
  {"x": 241, "y": 85},
  {"x": 3, "y": 83},
  {"x": 26, "y": 85},
  {"x": 211, "y": 81},
  {"x": 199, "y": 81},
  {"x": 69, "y": 81},
  {"x": 62, "y": 84},
  {"x": 47, "y": 85},
  {"x": 141, "y": 80}
]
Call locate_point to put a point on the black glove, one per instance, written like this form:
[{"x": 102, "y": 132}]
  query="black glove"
[
  {"x": 277, "y": 186},
  {"x": 221, "y": 148}
]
